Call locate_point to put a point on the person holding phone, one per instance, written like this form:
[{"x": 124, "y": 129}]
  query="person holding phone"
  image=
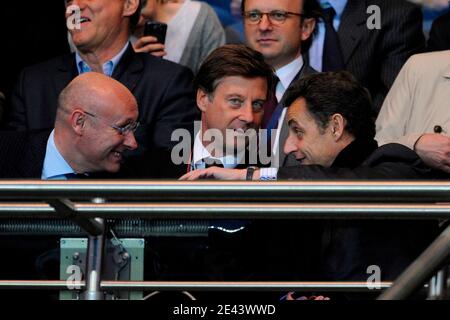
[{"x": 193, "y": 31}]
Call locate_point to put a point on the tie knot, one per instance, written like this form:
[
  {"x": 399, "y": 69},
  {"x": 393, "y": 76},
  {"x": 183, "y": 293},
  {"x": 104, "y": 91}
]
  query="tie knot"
[{"x": 328, "y": 14}]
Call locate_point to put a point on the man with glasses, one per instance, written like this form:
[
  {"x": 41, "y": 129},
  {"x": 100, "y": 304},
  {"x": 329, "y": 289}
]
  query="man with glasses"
[
  {"x": 100, "y": 33},
  {"x": 95, "y": 124},
  {"x": 281, "y": 30}
]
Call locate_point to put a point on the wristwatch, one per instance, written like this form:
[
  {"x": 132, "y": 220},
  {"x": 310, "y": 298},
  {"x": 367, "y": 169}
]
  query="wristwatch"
[{"x": 250, "y": 171}]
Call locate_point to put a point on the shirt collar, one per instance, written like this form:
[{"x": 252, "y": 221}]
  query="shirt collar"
[
  {"x": 55, "y": 167},
  {"x": 287, "y": 73},
  {"x": 108, "y": 66},
  {"x": 338, "y": 6},
  {"x": 201, "y": 153}
]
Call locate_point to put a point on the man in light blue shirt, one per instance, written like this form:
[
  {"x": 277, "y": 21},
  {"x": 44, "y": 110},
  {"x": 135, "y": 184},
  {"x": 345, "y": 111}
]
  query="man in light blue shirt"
[{"x": 95, "y": 123}]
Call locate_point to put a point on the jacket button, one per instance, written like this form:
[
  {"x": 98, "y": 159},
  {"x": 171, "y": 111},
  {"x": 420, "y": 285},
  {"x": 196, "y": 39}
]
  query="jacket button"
[{"x": 437, "y": 129}]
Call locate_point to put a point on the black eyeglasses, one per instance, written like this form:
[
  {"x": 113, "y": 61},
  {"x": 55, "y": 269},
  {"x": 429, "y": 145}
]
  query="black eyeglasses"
[
  {"x": 123, "y": 130},
  {"x": 276, "y": 16}
]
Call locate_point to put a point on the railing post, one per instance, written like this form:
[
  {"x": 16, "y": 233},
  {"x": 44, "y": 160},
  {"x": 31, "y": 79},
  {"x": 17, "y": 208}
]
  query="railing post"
[
  {"x": 94, "y": 259},
  {"x": 421, "y": 270}
]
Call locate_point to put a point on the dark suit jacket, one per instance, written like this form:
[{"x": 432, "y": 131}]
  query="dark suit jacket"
[
  {"x": 348, "y": 248},
  {"x": 375, "y": 57},
  {"x": 439, "y": 34},
  {"x": 164, "y": 92},
  {"x": 22, "y": 154}
]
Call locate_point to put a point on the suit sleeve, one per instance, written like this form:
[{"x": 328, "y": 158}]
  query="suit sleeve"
[
  {"x": 385, "y": 171},
  {"x": 403, "y": 38},
  {"x": 15, "y": 116},
  {"x": 392, "y": 161},
  {"x": 178, "y": 109}
]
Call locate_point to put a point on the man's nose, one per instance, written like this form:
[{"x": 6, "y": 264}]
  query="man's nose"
[
  {"x": 80, "y": 3},
  {"x": 130, "y": 141},
  {"x": 290, "y": 145},
  {"x": 247, "y": 114},
  {"x": 265, "y": 23}
]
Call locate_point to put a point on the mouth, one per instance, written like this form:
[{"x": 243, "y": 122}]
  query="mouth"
[
  {"x": 301, "y": 160},
  {"x": 266, "y": 41},
  {"x": 117, "y": 155},
  {"x": 240, "y": 130}
]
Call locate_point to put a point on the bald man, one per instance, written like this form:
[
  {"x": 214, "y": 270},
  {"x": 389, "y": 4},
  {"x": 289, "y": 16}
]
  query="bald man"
[{"x": 95, "y": 124}]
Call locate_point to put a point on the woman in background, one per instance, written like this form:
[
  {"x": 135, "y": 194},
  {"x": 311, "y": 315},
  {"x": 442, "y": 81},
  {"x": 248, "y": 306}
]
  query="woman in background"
[{"x": 193, "y": 31}]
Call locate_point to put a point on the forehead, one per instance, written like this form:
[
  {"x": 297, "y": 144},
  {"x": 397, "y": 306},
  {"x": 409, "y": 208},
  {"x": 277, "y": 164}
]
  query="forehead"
[
  {"x": 298, "y": 113},
  {"x": 242, "y": 86},
  {"x": 267, "y": 5}
]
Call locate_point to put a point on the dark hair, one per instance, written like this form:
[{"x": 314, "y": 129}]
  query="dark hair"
[
  {"x": 232, "y": 60},
  {"x": 329, "y": 93},
  {"x": 311, "y": 9}
]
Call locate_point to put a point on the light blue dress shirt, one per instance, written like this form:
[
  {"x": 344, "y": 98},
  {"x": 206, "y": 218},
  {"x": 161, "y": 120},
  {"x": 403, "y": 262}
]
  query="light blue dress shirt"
[
  {"x": 55, "y": 167},
  {"x": 108, "y": 67},
  {"x": 316, "y": 50}
]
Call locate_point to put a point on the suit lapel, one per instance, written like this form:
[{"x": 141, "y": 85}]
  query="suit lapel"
[
  {"x": 129, "y": 69},
  {"x": 351, "y": 28}
]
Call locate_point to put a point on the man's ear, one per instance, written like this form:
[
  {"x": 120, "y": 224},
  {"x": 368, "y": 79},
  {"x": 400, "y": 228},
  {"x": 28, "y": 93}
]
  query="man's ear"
[
  {"x": 202, "y": 100},
  {"x": 308, "y": 27},
  {"x": 130, "y": 7},
  {"x": 77, "y": 121},
  {"x": 337, "y": 126}
]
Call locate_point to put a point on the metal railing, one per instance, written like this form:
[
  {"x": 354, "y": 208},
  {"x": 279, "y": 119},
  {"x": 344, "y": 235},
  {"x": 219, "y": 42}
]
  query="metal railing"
[{"x": 231, "y": 200}]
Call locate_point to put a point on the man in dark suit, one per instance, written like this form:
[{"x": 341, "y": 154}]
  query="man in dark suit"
[
  {"x": 232, "y": 86},
  {"x": 332, "y": 136},
  {"x": 95, "y": 123},
  {"x": 282, "y": 31},
  {"x": 439, "y": 34},
  {"x": 163, "y": 89},
  {"x": 373, "y": 53}
]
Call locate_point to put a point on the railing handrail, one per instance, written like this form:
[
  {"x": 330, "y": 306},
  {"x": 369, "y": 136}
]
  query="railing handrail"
[
  {"x": 305, "y": 191},
  {"x": 232, "y": 211}
]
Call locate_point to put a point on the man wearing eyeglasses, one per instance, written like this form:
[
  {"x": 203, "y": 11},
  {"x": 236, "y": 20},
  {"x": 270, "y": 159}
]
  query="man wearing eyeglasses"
[
  {"x": 95, "y": 124},
  {"x": 281, "y": 30},
  {"x": 100, "y": 31}
]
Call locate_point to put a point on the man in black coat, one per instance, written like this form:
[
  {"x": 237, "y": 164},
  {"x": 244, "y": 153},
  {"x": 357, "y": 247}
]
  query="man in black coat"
[
  {"x": 163, "y": 89},
  {"x": 332, "y": 136}
]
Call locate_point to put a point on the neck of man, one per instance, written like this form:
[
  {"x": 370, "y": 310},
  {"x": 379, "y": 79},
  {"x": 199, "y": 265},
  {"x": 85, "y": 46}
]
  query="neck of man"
[
  {"x": 96, "y": 58},
  {"x": 343, "y": 143},
  {"x": 279, "y": 62},
  {"x": 67, "y": 152}
]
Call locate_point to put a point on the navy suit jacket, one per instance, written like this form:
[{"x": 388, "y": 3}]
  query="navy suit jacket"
[
  {"x": 164, "y": 92},
  {"x": 349, "y": 247},
  {"x": 376, "y": 56},
  {"x": 22, "y": 154}
]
